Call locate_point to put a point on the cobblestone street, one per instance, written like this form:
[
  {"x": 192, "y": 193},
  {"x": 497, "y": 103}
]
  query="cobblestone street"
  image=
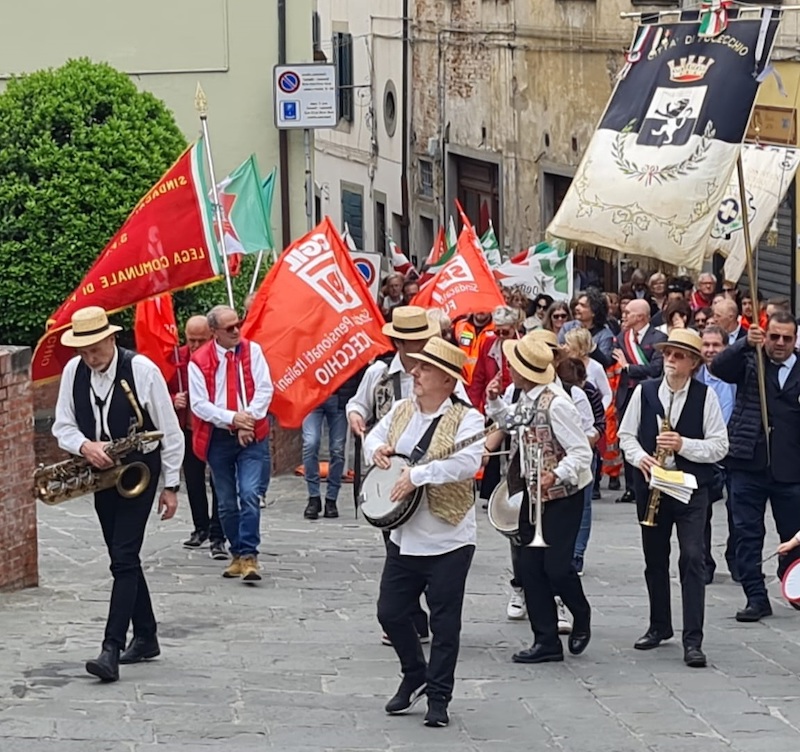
[{"x": 295, "y": 664}]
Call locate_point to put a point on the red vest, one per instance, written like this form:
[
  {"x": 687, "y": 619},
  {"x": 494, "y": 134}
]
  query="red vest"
[{"x": 206, "y": 359}]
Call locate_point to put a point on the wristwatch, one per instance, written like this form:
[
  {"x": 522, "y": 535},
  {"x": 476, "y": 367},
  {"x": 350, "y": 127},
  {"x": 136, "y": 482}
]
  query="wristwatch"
[{"x": 174, "y": 489}]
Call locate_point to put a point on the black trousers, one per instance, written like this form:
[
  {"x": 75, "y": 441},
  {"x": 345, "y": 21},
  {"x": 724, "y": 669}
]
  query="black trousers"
[
  {"x": 418, "y": 615},
  {"x": 194, "y": 472},
  {"x": 548, "y": 572},
  {"x": 123, "y": 522},
  {"x": 730, "y": 545},
  {"x": 689, "y": 521},
  {"x": 443, "y": 579}
]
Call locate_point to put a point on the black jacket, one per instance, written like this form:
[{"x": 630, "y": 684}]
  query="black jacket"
[{"x": 635, "y": 374}]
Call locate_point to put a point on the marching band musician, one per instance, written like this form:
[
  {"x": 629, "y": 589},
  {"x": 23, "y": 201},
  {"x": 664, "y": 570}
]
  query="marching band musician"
[
  {"x": 696, "y": 439},
  {"x": 432, "y": 552},
  {"x": 548, "y": 572},
  {"x": 95, "y": 406}
]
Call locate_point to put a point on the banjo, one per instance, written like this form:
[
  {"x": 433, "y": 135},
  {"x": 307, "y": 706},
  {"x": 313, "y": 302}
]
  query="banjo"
[{"x": 376, "y": 506}]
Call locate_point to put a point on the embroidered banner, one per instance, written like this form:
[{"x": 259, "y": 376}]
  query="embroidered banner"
[
  {"x": 768, "y": 173},
  {"x": 658, "y": 165}
]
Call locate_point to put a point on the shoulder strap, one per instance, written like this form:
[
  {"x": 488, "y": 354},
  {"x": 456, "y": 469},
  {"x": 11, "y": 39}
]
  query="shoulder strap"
[
  {"x": 398, "y": 393},
  {"x": 650, "y": 396},
  {"x": 422, "y": 445}
]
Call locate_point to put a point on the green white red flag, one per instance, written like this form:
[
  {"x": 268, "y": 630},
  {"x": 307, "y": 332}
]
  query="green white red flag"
[
  {"x": 165, "y": 244},
  {"x": 491, "y": 247},
  {"x": 245, "y": 211}
]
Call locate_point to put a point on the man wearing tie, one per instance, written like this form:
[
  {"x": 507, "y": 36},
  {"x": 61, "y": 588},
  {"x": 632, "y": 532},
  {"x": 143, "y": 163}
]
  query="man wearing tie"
[
  {"x": 230, "y": 390},
  {"x": 763, "y": 466},
  {"x": 639, "y": 360}
]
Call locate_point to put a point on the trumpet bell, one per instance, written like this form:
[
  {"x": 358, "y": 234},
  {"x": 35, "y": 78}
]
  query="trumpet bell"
[{"x": 503, "y": 512}]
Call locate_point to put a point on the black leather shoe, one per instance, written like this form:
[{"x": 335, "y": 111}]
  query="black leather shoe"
[
  {"x": 407, "y": 696},
  {"x": 106, "y": 666},
  {"x": 436, "y": 717},
  {"x": 579, "y": 640},
  {"x": 141, "y": 649},
  {"x": 195, "y": 540},
  {"x": 614, "y": 484},
  {"x": 313, "y": 508},
  {"x": 694, "y": 658},
  {"x": 626, "y": 498},
  {"x": 752, "y": 612},
  {"x": 539, "y": 654},
  {"x": 651, "y": 639},
  {"x": 331, "y": 512}
]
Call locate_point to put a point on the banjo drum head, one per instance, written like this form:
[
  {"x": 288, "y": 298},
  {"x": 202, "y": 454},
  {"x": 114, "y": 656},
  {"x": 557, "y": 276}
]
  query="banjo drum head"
[{"x": 790, "y": 585}]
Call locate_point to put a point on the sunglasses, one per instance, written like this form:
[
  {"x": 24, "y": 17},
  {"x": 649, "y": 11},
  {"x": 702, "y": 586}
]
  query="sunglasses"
[
  {"x": 728, "y": 289},
  {"x": 504, "y": 332},
  {"x": 233, "y": 328},
  {"x": 676, "y": 354},
  {"x": 559, "y": 316},
  {"x": 700, "y": 321},
  {"x": 782, "y": 337},
  {"x": 541, "y": 307}
]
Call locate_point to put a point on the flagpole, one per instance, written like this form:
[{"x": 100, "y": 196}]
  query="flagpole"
[
  {"x": 201, "y": 105},
  {"x": 253, "y": 281},
  {"x": 178, "y": 367},
  {"x": 748, "y": 250}
]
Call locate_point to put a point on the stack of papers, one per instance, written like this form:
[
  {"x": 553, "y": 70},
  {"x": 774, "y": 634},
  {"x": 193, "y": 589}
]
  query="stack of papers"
[{"x": 673, "y": 483}]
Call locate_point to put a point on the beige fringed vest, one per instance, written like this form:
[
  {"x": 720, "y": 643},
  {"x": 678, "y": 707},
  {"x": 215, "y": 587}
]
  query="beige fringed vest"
[{"x": 450, "y": 502}]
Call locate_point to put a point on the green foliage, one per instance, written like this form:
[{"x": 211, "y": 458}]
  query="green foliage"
[{"x": 78, "y": 147}]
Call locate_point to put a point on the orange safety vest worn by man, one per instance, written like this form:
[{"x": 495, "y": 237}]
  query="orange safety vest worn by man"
[{"x": 468, "y": 334}]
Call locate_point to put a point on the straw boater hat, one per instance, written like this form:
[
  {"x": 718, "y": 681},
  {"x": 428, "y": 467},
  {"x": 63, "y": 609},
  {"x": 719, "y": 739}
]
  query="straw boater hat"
[
  {"x": 544, "y": 335},
  {"x": 89, "y": 326},
  {"x": 683, "y": 339},
  {"x": 444, "y": 356},
  {"x": 531, "y": 359},
  {"x": 410, "y": 322}
]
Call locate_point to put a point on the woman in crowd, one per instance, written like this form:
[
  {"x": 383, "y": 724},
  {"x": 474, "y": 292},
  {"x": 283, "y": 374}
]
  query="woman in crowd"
[
  {"x": 556, "y": 316},
  {"x": 657, "y": 284},
  {"x": 537, "y": 308},
  {"x": 701, "y": 318},
  {"x": 677, "y": 315}
]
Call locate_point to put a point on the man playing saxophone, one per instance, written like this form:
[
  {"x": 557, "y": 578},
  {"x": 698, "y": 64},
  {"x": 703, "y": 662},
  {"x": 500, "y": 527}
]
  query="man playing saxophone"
[
  {"x": 696, "y": 438},
  {"x": 103, "y": 391}
]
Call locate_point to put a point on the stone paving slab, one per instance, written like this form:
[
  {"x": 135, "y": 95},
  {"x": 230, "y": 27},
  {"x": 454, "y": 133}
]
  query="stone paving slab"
[{"x": 295, "y": 663}]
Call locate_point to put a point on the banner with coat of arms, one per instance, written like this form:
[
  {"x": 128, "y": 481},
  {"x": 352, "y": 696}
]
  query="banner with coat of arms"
[
  {"x": 658, "y": 165},
  {"x": 768, "y": 174}
]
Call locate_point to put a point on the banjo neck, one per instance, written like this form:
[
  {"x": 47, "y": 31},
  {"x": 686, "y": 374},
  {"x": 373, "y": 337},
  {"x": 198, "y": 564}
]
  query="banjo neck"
[{"x": 457, "y": 447}]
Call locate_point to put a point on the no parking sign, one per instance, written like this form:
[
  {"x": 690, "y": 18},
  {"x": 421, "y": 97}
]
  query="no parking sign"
[{"x": 369, "y": 265}]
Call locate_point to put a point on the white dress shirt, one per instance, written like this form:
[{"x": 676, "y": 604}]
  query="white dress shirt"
[
  {"x": 425, "y": 534},
  {"x": 785, "y": 368},
  {"x": 575, "y": 467},
  {"x": 712, "y": 448},
  {"x": 734, "y": 335},
  {"x": 363, "y": 401},
  {"x": 153, "y": 396}
]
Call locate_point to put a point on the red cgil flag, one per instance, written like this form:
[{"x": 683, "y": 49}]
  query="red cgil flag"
[
  {"x": 316, "y": 321},
  {"x": 166, "y": 244},
  {"x": 157, "y": 333},
  {"x": 465, "y": 284}
]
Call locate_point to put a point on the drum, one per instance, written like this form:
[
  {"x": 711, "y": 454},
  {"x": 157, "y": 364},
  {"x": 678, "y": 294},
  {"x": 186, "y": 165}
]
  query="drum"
[
  {"x": 790, "y": 584},
  {"x": 376, "y": 506},
  {"x": 503, "y": 512}
]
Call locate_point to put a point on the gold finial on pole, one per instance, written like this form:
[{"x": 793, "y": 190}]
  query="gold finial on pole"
[{"x": 200, "y": 101}]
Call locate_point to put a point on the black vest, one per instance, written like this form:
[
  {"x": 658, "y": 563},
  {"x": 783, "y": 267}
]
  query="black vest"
[
  {"x": 689, "y": 425},
  {"x": 119, "y": 412}
]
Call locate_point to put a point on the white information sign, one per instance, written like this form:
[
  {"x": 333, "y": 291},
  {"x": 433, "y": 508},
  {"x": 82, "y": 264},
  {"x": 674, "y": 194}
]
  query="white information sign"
[{"x": 305, "y": 96}]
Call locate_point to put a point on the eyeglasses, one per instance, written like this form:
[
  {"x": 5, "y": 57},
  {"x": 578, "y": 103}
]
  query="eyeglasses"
[
  {"x": 676, "y": 354},
  {"x": 782, "y": 337},
  {"x": 728, "y": 289},
  {"x": 504, "y": 332},
  {"x": 233, "y": 328},
  {"x": 559, "y": 316}
]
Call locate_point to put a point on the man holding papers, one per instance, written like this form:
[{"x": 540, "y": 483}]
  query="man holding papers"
[{"x": 697, "y": 440}]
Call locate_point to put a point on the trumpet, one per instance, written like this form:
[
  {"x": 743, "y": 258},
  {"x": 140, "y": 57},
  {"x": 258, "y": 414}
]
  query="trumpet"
[
  {"x": 530, "y": 458},
  {"x": 662, "y": 455}
]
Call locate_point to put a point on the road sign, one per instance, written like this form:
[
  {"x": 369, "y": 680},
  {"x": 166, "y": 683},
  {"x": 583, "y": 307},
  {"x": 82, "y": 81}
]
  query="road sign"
[
  {"x": 305, "y": 96},
  {"x": 369, "y": 266}
]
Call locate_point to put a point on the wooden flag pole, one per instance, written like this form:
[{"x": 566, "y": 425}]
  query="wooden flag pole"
[{"x": 748, "y": 249}]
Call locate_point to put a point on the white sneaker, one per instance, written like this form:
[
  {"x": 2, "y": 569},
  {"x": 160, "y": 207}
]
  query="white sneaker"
[
  {"x": 564, "y": 624},
  {"x": 516, "y": 605}
]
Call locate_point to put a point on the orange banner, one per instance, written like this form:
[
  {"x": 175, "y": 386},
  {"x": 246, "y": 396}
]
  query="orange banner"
[
  {"x": 316, "y": 321},
  {"x": 157, "y": 333},
  {"x": 465, "y": 284},
  {"x": 165, "y": 244}
]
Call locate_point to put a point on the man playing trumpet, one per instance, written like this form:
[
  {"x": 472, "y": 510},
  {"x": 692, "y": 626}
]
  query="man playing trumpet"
[{"x": 696, "y": 438}]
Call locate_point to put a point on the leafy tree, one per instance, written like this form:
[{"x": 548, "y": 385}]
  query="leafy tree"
[{"x": 79, "y": 146}]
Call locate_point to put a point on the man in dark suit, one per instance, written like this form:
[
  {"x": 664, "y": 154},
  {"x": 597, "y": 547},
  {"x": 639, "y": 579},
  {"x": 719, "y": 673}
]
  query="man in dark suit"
[
  {"x": 726, "y": 317},
  {"x": 640, "y": 360},
  {"x": 763, "y": 466}
]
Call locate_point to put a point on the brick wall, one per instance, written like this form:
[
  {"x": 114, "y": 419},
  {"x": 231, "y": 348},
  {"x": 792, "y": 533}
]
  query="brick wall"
[{"x": 18, "y": 541}]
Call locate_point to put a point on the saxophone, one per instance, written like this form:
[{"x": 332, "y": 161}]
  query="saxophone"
[
  {"x": 54, "y": 484},
  {"x": 662, "y": 455}
]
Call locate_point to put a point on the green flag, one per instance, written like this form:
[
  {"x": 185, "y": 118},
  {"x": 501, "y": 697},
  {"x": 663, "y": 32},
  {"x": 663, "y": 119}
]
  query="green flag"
[
  {"x": 245, "y": 216},
  {"x": 491, "y": 247},
  {"x": 268, "y": 193},
  {"x": 451, "y": 238}
]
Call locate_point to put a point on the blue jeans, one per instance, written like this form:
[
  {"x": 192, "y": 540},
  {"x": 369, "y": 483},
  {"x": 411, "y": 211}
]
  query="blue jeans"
[
  {"x": 585, "y": 530},
  {"x": 312, "y": 435},
  {"x": 241, "y": 477},
  {"x": 749, "y": 493}
]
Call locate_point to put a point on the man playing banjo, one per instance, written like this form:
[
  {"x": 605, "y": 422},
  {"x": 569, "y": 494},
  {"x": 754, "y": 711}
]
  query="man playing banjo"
[{"x": 433, "y": 550}]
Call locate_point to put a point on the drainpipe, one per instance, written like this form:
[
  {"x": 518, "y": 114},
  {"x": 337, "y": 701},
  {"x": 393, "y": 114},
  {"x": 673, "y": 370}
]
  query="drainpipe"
[
  {"x": 404, "y": 193},
  {"x": 283, "y": 138}
]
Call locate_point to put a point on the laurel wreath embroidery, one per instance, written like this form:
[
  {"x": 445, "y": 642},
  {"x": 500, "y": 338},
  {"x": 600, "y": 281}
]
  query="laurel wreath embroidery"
[{"x": 655, "y": 173}]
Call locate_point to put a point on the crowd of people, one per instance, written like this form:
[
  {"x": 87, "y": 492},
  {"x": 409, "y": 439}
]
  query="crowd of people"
[{"x": 605, "y": 386}]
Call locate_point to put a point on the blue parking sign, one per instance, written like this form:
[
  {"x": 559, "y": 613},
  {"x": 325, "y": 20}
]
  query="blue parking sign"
[{"x": 290, "y": 110}]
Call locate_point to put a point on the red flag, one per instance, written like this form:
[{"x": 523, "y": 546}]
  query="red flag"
[
  {"x": 465, "y": 221},
  {"x": 165, "y": 244},
  {"x": 465, "y": 284},
  {"x": 157, "y": 333},
  {"x": 438, "y": 249},
  {"x": 316, "y": 321}
]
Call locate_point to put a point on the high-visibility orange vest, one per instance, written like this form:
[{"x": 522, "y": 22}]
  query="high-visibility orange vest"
[{"x": 469, "y": 339}]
